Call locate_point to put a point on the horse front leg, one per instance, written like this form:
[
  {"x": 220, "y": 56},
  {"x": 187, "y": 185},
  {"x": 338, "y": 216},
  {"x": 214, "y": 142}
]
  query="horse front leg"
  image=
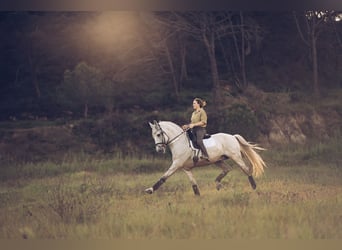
[
  {"x": 225, "y": 169},
  {"x": 172, "y": 169},
  {"x": 150, "y": 190},
  {"x": 193, "y": 182}
]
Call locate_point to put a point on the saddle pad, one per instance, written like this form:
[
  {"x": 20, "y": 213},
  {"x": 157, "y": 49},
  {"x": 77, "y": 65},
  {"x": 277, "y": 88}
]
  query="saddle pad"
[{"x": 208, "y": 143}]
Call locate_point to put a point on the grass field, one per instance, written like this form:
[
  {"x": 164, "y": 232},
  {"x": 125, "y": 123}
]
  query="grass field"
[
  {"x": 301, "y": 202},
  {"x": 97, "y": 197}
]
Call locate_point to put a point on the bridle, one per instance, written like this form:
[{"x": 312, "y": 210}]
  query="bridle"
[{"x": 167, "y": 142}]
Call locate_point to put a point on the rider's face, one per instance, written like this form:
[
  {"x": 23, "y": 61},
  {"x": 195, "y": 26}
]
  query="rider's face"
[{"x": 195, "y": 105}]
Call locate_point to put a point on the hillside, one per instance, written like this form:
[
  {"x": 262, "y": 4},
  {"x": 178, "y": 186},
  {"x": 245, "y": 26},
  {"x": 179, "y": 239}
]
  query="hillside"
[
  {"x": 295, "y": 117},
  {"x": 266, "y": 118}
]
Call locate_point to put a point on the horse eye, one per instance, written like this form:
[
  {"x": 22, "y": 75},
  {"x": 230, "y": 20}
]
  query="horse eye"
[{"x": 158, "y": 135}]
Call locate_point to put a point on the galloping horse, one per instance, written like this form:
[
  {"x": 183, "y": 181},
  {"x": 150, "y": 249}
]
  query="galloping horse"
[{"x": 220, "y": 147}]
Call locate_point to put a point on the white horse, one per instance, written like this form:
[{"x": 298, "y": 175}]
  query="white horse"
[{"x": 220, "y": 147}]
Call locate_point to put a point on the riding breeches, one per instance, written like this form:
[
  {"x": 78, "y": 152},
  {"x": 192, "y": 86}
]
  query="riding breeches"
[{"x": 199, "y": 133}]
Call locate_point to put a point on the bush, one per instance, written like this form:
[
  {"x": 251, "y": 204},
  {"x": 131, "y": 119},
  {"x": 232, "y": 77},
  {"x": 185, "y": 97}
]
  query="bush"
[
  {"x": 116, "y": 130},
  {"x": 78, "y": 205},
  {"x": 238, "y": 119},
  {"x": 106, "y": 132}
]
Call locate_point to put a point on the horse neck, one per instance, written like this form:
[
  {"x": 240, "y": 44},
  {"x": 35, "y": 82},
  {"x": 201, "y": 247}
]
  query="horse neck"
[
  {"x": 170, "y": 129},
  {"x": 173, "y": 130}
]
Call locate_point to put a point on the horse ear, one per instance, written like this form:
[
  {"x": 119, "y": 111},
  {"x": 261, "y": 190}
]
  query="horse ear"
[
  {"x": 151, "y": 125},
  {"x": 155, "y": 122}
]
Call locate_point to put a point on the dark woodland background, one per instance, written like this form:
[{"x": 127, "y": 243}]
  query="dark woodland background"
[{"x": 105, "y": 75}]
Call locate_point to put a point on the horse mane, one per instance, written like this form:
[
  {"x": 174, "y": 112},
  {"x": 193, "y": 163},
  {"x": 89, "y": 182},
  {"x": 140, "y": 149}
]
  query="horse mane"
[{"x": 171, "y": 124}]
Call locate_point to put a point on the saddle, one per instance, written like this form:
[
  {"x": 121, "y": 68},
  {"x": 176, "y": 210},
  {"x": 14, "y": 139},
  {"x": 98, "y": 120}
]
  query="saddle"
[{"x": 192, "y": 139}]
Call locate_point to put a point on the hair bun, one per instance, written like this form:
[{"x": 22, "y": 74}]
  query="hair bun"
[{"x": 201, "y": 102}]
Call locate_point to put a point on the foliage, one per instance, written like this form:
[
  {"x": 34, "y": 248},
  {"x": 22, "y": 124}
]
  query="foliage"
[
  {"x": 122, "y": 69},
  {"x": 238, "y": 119},
  {"x": 85, "y": 86},
  {"x": 114, "y": 131},
  {"x": 77, "y": 205}
]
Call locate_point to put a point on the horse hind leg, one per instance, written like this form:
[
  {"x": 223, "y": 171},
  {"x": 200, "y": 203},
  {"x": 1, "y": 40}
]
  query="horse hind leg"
[
  {"x": 252, "y": 182},
  {"x": 225, "y": 169},
  {"x": 245, "y": 169}
]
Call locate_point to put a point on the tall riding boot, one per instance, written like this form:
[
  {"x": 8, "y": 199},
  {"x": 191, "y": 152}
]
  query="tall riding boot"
[
  {"x": 204, "y": 151},
  {"x": 200, "y": 132}
]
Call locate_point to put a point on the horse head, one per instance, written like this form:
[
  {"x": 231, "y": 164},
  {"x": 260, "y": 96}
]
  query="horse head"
[{"x": 159, "y": 136}]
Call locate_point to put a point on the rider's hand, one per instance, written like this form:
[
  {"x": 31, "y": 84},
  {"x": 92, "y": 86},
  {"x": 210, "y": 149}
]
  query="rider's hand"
[{"x": 185, "y": 127}]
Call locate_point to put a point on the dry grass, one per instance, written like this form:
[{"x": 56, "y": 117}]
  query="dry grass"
[{"x": 289, "y": 203}]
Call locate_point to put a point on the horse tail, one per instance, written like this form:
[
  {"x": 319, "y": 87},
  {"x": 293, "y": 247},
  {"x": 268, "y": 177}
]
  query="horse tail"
[{"x": 248, "y": 150}]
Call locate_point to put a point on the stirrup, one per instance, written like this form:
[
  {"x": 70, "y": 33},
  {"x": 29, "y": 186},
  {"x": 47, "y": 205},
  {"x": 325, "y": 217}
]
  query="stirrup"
[{"x": 205, "y": 158}]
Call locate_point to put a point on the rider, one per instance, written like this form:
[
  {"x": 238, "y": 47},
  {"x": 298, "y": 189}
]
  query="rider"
[{"x": 198, "y": 124}]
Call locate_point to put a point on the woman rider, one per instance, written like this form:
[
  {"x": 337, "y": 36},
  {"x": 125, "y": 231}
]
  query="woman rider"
[{"x": 198, "y": 124}]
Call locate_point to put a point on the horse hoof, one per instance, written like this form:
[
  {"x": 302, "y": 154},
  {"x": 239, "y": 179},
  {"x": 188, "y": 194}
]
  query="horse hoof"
[
  {"x": 218, "y": 186},
  {"x": 149, "y": 190}
]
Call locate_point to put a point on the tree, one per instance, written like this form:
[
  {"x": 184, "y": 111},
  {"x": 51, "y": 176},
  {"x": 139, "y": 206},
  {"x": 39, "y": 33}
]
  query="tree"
[
  {"x": 310, "y": 25},
  {"x": 205, "y": 27},
  {"x": 85, "y": 85},
  {"x": 127, "y": 52},
  {"x": 244, "y": 30},
  {"x": 37, "y": 48},
  {"x": 160, "y": 36},
  {"x": 209, "y": 28}
]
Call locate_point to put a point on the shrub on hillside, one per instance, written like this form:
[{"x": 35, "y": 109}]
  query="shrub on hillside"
[
  {"x": 238, "y": 119},
  {"x": 116, "y": 130},
  {"x": 105, "y": 133}
]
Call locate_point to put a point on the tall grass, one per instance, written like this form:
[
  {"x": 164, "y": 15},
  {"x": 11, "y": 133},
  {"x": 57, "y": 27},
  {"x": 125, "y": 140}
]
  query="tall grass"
[
  {"x": 71, "y": 163},
  {"x": 93, "y": 197},
  {"x": 91, "y": 205},
  {"x": 318, "y": 153},
  {"x": 313, "y": 153}
]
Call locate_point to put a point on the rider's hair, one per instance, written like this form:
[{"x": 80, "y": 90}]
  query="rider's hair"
[{"x": 201, "y": 102}]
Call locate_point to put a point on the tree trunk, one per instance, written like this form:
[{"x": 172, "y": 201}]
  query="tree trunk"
[
  {"x": 312, "y": 29},
  {"x": 243, "y": 53},
  {"x": 315, "y": 69},
  {"x": 33, "y": 69},
  {"x": 35, "y": 83},
  {"x": 184, "y": 70},
  {"x": 85, "y": 110},
  {"x": 210, "y": 45},
  {"x": 314, "y": 63},
  {"x": 229, "y": 65},
  {"x": 238, "y": 55},
  {"x": 173, "y": 73}
]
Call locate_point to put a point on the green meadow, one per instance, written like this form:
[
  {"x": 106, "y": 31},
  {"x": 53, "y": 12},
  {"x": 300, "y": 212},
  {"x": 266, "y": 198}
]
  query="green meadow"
[{"x": 299, "y": 197}]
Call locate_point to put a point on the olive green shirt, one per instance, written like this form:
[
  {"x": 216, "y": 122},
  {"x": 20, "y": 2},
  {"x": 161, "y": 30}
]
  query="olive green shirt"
[{"x": 199, "y": 116}]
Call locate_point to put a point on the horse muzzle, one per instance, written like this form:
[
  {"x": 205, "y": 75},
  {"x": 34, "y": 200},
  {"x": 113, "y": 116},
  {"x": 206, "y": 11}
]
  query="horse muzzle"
[{"x": 161, "y": 148}]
